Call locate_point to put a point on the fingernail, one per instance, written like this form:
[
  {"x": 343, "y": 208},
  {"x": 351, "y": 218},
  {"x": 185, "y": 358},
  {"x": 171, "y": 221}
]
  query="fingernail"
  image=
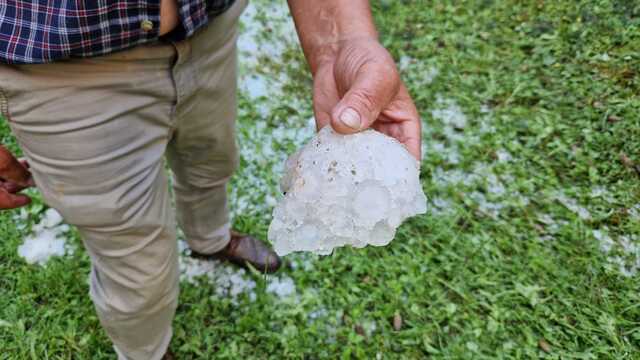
[{"x": 351, "y": 118}]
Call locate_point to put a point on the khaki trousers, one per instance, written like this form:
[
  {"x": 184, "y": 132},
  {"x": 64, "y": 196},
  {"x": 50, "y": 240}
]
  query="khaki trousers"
[{"x": 95, "y": 132}]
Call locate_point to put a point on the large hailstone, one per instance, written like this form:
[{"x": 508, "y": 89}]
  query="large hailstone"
[{"x": 345, "y": 190}]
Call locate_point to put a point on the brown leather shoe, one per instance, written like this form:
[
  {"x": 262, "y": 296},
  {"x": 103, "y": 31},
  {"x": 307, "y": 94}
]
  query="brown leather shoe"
[
  {"x": 169, "y": 356},
  {"x": 243, "y": 249}
]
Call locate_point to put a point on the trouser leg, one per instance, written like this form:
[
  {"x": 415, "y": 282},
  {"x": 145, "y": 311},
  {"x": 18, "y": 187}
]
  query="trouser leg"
[
  {"x": 94, "y": 132},
  {"x": 203, "y": 153}
]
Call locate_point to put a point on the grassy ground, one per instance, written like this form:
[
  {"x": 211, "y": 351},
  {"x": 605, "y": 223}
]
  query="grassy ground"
[{"x": 532, "y": 165}]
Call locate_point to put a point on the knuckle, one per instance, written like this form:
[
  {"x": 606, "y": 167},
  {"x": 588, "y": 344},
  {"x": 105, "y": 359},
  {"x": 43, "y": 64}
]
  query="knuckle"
[
  {"x": 391, "y": 75},
  {"x": 367, "y": 100},
  {"x": 388, "y": 68}
]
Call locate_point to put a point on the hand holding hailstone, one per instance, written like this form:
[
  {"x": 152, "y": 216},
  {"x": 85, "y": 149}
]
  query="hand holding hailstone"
[{"x": 349, "y": 186}]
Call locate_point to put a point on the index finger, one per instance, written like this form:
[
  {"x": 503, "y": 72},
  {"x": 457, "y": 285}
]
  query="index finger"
[
  {"x": 12, "y": 201},
  {"x": 403, "y": 122},
  {"x": 12, "y": 170}
]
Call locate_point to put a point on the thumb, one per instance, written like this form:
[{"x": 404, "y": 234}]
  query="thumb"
[{"x": 373, "y": 89}]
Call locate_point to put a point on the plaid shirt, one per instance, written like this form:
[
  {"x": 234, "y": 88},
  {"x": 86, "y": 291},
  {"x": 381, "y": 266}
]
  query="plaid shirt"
[{"x": 41, "y": 31}]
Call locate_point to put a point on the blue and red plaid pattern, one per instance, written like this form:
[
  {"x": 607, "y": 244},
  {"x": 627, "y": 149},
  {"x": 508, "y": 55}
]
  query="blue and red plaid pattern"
[{"x": 41, "y": 31}]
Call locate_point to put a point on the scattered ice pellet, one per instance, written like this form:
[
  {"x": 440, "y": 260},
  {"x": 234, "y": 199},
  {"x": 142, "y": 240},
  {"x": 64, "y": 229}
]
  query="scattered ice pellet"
[
  {"x": 634, "y": 212},
  {"x": 453, "y": 156},
  {"x": 441, "y": 203},
  {"x": 606, "y": 243},
  {"x": 345, "y": 190},
  {"x": 318, "y": 313},
  {"x": 227, "y": 280},
  {"x": 495, "y": 186},
  {"x": 488, "y": 207},
  {"x": 22, "y": 215},
  {"x": 450, "y": 113},
  {"x": 572, "y": 204},
  {"x": 629, "y": 244},
  {"x": 405, "y": 62},
  {"x": 503, "y": 156},
  {"x": 417, "y": 70},
  {"x": 369, "y": 326},
  {"x": 281, "y": 287},
  {"x": 51, "y": 218},
  {"x": 302, "y": 261},
  {"x": 46, "y": 240}
]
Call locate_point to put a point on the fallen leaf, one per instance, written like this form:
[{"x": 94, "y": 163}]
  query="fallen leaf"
[
  {"x": 613, "y": 119},
  {"x": 626, "y": 161},
  {"x": 544, "y": 345},
  {"x": 397, "y": 321}
]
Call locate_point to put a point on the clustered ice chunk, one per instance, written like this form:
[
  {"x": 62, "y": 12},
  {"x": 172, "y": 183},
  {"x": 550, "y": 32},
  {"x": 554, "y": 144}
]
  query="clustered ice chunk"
[
  {"x": 345, "y": 190},
  {"x": 47, "y": 240}
]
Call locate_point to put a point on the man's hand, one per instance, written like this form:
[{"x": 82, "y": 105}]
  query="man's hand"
[
  {"x": 359, "y": 87},
  {"x": 356, "y": 83},
  {"x": 14, "y": 177}
]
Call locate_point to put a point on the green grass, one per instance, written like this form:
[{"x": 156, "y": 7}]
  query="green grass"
[{"x": 467, "y": 283}]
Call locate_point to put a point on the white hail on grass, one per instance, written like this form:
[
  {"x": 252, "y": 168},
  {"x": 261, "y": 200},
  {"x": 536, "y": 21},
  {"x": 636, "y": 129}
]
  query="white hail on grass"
[
  {"x": 267, "y": 32},
  {"x": 228, "y": 280},
  {"x": 571, "y": 204},
  {"x": 47, "y": 239},
  {"x": 634, "y": 212},
  {"x": 450, "y": 114},
  {"x": 624, "y": 253},
  {"x": 504, "y": 156},
  {"x": 417, "y": 71},
  {"x": 281, "y": 287}
]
